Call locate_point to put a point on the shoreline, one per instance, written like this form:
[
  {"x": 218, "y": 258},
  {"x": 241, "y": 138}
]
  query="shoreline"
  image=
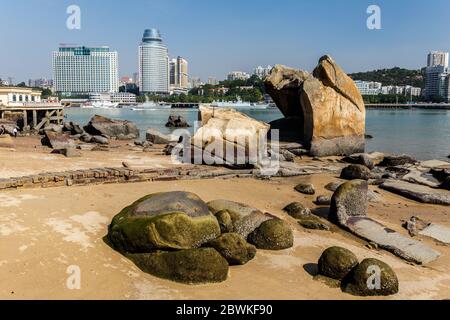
[{"x": 46, "y": 230}]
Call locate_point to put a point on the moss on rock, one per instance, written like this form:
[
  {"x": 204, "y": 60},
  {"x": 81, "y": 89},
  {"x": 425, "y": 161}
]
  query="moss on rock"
[
  {"x": 273, "y": 234},
  {"x": 234, "y": 248},
  {"x": 297, "y": 210},
  {"x": 337, "y": 262},
  {"x": 362, "y": 280},
  {"x": 194, "y": 266},
  {"x": 165, "y": 232},
  {"x": 225, "y": 221}
]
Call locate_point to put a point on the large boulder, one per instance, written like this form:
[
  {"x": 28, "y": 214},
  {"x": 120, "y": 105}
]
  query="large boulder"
[
  {"x": 163, "y": 221},
  {"x": 120, "y": 129},
  {"x": 58, "y": 141},
  {"x": 371, "y": 277},
  {"x": 193, "y": 266},
  {"x": 337, "y": 262},
  {"x": 349, "y": 200},
  {"x": 329, "y": 107},
  {"x": 235, "y": 249},
  {"x": 244, "y": 219},
  {"x": 177, "y": 121},
  {"x": 274, "y": 234},
  {"x": 228, "y": 137}
]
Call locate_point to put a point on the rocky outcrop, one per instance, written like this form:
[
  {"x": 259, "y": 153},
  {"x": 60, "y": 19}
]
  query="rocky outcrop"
[
  {"x": 155, "y": 137},
  {"x": 58, "y": 141},
  {"x": 416, "y": 192},
  {"x": 349, "y": 210},
  {"x": 329, "y": 108},
  {"x": 228, "y": 137},
  {"x": 119, "y": 129}
]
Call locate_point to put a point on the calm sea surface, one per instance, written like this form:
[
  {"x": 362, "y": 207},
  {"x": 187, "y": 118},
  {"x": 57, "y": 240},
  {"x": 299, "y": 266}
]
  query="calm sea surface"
[{"x": 424, "y": 134}]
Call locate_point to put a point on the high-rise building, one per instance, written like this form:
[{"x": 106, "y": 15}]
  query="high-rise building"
[
  {"x": 262, "y": 72},
  {"x": 81, "y": 70},
  {"x": 40, "y": 83},
  {"x": 179, "y": 77},
  {"x": 153, "y": 64},
  {"x": 196, "y": 82},
  {"x": 437, "y": 58}
]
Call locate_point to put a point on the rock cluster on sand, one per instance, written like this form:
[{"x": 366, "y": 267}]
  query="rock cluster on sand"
[
  {"x": 326, "y": 106},
  {"x": 175, "y": 236},
  {"x": 119, "y": 129},
  {"x": 371, "y": 277}
]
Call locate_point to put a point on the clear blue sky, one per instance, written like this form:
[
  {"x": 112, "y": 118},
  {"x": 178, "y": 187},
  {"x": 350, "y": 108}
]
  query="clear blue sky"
[{"x": 218, "y": 36}]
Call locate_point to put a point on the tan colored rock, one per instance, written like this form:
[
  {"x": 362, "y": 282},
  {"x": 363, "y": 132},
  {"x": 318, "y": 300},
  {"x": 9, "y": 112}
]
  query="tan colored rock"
[{"x": 329, "y": 107}]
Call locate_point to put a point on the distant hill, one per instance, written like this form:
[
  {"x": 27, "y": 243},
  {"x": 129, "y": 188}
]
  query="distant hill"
[{"x": 393, "y": 77}]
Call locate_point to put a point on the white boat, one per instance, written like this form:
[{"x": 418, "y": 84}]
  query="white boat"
[
  {"x": 239, "y": 105},
  {"x": 151, "y": 106},
  {"x": 104, "y": 104}
]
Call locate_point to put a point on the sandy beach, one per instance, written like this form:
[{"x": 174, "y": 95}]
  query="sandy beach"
[{"x": 45, "y": 231}]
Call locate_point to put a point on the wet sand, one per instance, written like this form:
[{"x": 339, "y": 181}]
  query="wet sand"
[{"x": 44, "y": 231}]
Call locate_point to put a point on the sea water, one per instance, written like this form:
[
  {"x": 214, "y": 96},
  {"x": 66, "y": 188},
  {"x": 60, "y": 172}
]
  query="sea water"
[{"x": 424, "y": 134}]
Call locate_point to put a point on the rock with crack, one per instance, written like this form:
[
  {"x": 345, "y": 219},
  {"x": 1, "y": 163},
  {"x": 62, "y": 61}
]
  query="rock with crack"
[
  {"x": 349, "y": 210},
  {"x": 329, "y": 109},
  {"x": 120, "y": 129},
  {"x": 416, "y": 192}
]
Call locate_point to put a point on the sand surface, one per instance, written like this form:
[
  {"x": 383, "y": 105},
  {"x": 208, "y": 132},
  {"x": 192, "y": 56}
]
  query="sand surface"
[{"x": 45, "y": 232}]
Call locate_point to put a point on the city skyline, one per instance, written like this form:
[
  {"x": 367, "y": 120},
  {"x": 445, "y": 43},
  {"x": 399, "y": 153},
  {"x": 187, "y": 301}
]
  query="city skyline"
[{"x": 217, "y": 39}]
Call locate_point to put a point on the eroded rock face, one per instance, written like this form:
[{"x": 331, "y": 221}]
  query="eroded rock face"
[
  {"x": 123, "y": 130},
  {"x": 329, "y": 107}
]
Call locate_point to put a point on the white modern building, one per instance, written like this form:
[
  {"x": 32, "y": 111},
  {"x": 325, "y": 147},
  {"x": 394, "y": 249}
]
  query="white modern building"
[
  {"x": 238, "y": 75},
  {"x": 262, "y": 72},
  {"x": 368, "y": 88},
  {"x": 153, "y": 64},
  {"x": 437, "y": 58},
  {"x": 83, "y": 70},
  {"x": 179, "y": 77}
]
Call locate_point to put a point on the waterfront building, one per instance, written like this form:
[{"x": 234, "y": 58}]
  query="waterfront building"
[
  {"x": 179, "y": 77},
  {"x": 238, "y": 75},
  {"x": 437, "y": 58},
  {"x": 262, "y": 72},
  {"x": 368, "y": 88},
  {"x": 116, "y": 97},
  {"x": 19, "y": 96},
  {"x": 84, "y": 70},
  {"x": 153, "y": 64},
  {"x": 435, "y": 81}
]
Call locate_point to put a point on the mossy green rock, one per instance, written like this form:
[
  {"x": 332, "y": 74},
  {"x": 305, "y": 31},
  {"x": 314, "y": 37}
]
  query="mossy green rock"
[
  {"x": 297, "y": 210},
  {"x": 139, "y": 229},
  {"x": 234, "y": 248},
  {"x": 194, "y": 266},
  {"x": 173, "y": 231},
  {"x": 362, "y": 280},
  {"x": 273, "y": 234},
  {"x": 245, "y": 219},
  {"x": 337, "y": 262},
  {"x": 225, "y": 221}
]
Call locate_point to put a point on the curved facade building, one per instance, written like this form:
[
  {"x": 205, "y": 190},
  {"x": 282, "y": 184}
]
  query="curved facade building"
[{"x": 153, "y": 64}]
